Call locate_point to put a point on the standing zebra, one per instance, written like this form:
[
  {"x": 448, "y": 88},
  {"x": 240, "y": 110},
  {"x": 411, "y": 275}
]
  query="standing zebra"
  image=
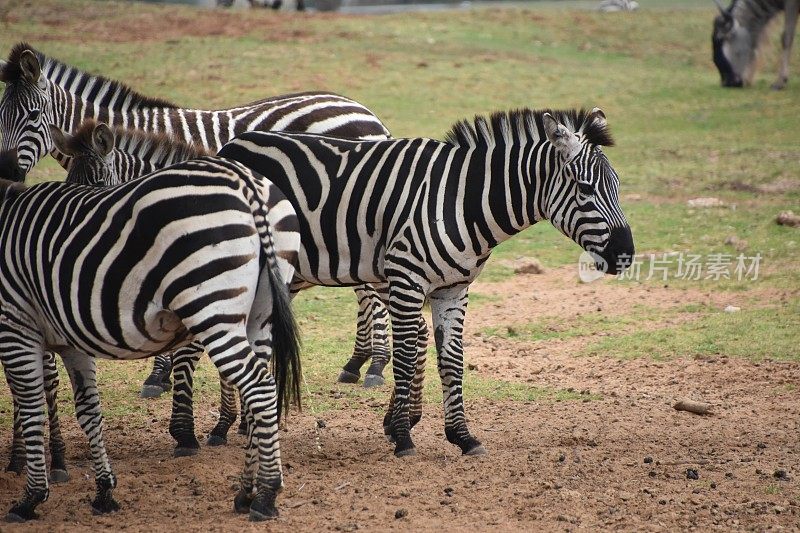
[
  {"x": 739, "y": 31},
  {"x": 41, "y": 90},
  {"x": 185, "y": 258},
  {"x": 104, "y": 157},
  {"x": 424, "y": 215}
]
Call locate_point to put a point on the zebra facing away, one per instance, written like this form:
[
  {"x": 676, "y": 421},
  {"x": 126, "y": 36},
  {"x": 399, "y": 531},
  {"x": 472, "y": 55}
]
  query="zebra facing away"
[
  {"x": 424, "y": 215},
  {"x": 42, "y": 90},
  {"x": 77, "y": 281},
  {"x": 104, "y": 157},
  {"x": 739, "y": 31}
]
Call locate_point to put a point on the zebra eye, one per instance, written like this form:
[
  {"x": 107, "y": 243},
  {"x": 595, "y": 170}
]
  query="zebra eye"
[
  {"x": 34, "y": 115},
  {"x": 586, "y": 189}
]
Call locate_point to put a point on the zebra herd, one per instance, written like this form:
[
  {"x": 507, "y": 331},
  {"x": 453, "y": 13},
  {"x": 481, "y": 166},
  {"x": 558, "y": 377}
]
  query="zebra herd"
[{"x": 154, "y": 246}]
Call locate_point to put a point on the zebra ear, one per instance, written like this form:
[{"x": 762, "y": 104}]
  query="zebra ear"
[
  {"x": 31, "y": 70},
  {"x": 103, "y": 139},
  {"x": 565, "y": 141},
  {"x": 60, "y": 139},
  {"x": 597, "y": 116}
]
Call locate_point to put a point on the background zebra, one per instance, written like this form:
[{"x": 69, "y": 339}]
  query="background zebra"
[
  {"x": 738, "y": 33},
  {"x": 124, "y": 272},
  {"x": 424, "y": 215},
  {"x": 41, "y": 90}
]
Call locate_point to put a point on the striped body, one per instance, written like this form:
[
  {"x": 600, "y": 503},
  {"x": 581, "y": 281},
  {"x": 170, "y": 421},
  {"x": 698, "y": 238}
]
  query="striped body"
[
  {"x": 187, "y": 255},
  {"x": 424, "y": 215}
]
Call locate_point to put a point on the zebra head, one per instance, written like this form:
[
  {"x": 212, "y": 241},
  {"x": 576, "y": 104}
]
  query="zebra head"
[
  {"x": 583, "y": 197},
  {"x": 734, "y": 49},
  {"x": 91, "y": 151},
  {"x": 25, "y": 111}
]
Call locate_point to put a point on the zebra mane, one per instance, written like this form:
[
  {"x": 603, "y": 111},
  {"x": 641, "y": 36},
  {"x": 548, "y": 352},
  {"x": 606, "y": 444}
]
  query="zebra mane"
[
  {"x": 155, "y": 147},
  {"x": 525, "y": 124},
  {"x": 117, "y": 91}
]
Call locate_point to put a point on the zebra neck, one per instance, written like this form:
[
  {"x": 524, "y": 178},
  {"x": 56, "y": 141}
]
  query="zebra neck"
[
  {"x": 754, "y": 15},
  {"x": 502, "y": 194}
]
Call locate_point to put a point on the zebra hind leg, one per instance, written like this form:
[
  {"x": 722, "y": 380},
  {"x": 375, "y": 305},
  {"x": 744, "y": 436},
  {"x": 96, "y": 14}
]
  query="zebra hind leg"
[
  {"x": 58, "y": 464},
  {"x": 82, "y": 374},
  {"x": 181, "y": 424},
  {"x": 158, "y": 382}
]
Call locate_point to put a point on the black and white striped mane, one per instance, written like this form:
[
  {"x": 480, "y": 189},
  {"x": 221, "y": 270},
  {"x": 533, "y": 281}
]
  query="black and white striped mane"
[
  {"x": 505, "y": 127},
  {"x": 155, "y": 147},
  {"x": 117, "y": 92}
]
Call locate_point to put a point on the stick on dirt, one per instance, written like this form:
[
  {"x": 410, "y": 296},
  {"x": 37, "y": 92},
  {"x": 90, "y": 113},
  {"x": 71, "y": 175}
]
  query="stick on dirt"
[{"x": 698, "y": 408}]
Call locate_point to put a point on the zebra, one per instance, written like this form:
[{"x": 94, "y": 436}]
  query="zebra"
[
  {"x": 104, "y": 157},
  {"x": 274, "y": 4},
  {"x": 738, "y": 32},
  {"x": 424, "y": 215},
  {"x": 42, "y": 90},
  {"x": 125, "y": 272}
]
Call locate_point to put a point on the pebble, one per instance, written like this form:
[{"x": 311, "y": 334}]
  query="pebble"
[
  {"x": 625, "y": 496},
  {"x": 781, "y": 475},
  {"x": 400, "y": 513},
  {"x": 648, "y": 460},
  {"x": 692, "y": 473},
  {"x": 732, "y": 309}
]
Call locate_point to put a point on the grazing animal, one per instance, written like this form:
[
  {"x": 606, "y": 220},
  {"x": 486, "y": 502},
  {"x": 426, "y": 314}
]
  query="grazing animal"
[
  {"x": 738, "y": 32},
  {"x": 104, "y": 157},
  {"x": 126, "y": 272},
  {"x": 424, "y": 215},
  {"x": 41, "y": 90}
]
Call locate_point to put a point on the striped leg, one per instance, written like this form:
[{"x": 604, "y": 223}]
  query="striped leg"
[
  {"x": 227, "y": 414},
  {"x": 417, "y": 385},
  {"x": 249, "y": 373},
  {"x": 82, "y": 374},
  {"x": 58, "y": 469},
  {"x": 181, "y": 424},
  {"x": 22, "y": 362},
  {"x": 158, "y": 381},
  {"x": 405, "y": 308},
  {"x": 449, "y": 306},
  {"x": 351, "y": 372},
  {"x": 58, "y": 465},
  {"x": 380, "y": 338}
]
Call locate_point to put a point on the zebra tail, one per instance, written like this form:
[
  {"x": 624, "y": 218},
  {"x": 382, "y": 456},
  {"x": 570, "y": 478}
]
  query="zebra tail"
[{"x": 285, "y": 344}]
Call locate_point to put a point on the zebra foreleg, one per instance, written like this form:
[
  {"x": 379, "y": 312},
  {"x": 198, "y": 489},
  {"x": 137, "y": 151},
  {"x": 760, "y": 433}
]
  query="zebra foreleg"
[
  {"x": 158, "y": 381},
  {"x": 405, "y": 307},
  {"x": 58, "y": 464},
  {"x": 82, "y": 374},
  {"x": 380, "y": 338},
  {"x": 351, "y": 372},
  {"x": 227, "y": 414},
  {"x": 181, "y": 424},
  {"x": 449, "y": 308},
  {"x": 16, "y": 463}
]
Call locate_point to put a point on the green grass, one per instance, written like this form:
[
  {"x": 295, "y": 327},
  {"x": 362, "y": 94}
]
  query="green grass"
[
  {"x": 754, "y": 334},
  {"x": 679, "y": 136}
]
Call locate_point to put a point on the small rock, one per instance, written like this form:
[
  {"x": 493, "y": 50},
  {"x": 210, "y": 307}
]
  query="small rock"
[
  {"x": 472, "y": 367},
  {"x": 705, "y": 202},
  {"x": 562, "y": 458},
  {"x": 448, "y": 491},
  {"x": 761, "y": 445},
  {"x": 321, "y": 423},
  {"x": 692, "y": 473},
  {"x": 527, "y": 265},
  {"x": 651, "y": 473},
  {"x": 713, "y": 485},
  {"x": 781, "y": 475},
  {"x": 405, "y": 493},
  {"x": 732, "y": 309},
  {"x": 625, "y": 496},
  {"x": 788, "y": 218},
  {"x": 662, "y": 502},
  {"x": 648, "y": 460},
  {"x": 400, "y": 513}
]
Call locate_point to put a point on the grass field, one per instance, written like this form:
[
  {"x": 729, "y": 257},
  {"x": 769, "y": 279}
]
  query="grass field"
[{"x": 679, "y": 136}]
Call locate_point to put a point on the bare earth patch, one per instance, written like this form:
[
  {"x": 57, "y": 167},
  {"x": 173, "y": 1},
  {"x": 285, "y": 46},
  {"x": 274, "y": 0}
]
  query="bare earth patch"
[{"x": 618, "y": 461}]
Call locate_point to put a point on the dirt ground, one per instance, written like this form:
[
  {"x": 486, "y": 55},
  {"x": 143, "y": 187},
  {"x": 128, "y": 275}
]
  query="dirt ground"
[{"x": 617, "y": 462}]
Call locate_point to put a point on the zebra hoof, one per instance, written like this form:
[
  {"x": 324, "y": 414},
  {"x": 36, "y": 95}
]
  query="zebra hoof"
[
  {"x": 372, "y": 381},
  {"x": 263, "y": 506},
  {"x": 184, "y": 451},
  {"x": 216, "y": 440},
  {"x": 16, "y": 465},
  {"x": 348, "y": 377},
  {"x": 242, "y": 429},
  {"x": 104, "y": 506},
  {"x": 15, "y": 518},
  {"x": 151, "y": 391},
  {"x": 407, "y": 452},
  {"x": 241, "y": 502},
  {"x": 58, "y": 476},
  {"x": 477, "y": 450}
]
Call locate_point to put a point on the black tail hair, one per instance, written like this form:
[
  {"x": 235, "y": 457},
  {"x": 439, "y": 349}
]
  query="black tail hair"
[{"x": 285, "y": 344}]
